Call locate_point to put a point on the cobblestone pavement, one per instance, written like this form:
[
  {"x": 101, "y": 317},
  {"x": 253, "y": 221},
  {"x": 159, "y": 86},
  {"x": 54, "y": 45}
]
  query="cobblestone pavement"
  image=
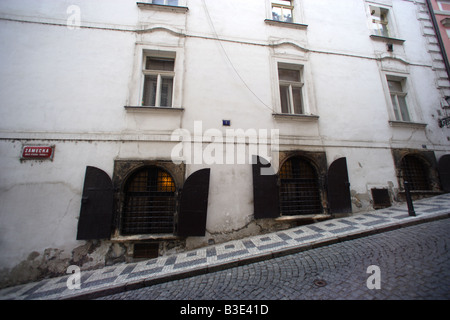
[
  {"x": 414, "y": 263},
  {"x": 303, "y": 270}
]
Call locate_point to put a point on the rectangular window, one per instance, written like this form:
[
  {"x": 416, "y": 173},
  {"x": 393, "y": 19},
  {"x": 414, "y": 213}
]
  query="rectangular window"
[
  {"x": 379, "y": 21},
  {"x": 398, "y": 98},
  {"x": 158, "y": 81},
  {"x": 290, "y": 80},
  {"x": 282, "y": 10},
  {"x": 165, "y": 2},
  {"x": 443, "y": 5}
]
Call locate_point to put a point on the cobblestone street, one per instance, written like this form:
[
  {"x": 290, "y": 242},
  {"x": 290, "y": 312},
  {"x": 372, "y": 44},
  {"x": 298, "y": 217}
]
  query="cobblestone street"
[{"x": 414, "y": 263}]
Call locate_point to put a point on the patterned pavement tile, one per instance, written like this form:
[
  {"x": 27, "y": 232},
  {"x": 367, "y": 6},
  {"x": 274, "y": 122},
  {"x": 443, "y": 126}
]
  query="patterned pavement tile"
[{"x": 226, "y": 253}]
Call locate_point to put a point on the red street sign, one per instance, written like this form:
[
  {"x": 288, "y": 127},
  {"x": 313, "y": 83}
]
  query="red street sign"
[{"x": 37, "y": 152}]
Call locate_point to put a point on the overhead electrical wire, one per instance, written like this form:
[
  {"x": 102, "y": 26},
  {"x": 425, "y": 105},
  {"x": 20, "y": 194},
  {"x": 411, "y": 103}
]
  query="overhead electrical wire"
[{"x": 216, "y": 36}]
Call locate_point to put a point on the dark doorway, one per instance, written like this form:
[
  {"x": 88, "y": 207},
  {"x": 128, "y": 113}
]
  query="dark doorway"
[
  {"x": 444, "y": 172},
  {"x": 339, "y": 197}
]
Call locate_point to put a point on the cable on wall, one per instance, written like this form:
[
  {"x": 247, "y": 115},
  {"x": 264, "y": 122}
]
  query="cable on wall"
[{"x": 216, "y": 36}]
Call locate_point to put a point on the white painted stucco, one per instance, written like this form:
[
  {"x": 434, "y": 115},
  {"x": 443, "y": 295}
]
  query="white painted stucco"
[{"x": 69, "y": 88}]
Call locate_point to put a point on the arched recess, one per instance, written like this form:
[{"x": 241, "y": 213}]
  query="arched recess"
[
  {"x": 149, "y": 205},
  {"x": 299, "y": 188}
]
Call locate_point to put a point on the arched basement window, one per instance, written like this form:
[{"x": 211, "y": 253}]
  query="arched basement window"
[
  {"x": 150, "y": 202},
  {"x": 299, "y": 188},
  {"x": 415, "y": 171}
]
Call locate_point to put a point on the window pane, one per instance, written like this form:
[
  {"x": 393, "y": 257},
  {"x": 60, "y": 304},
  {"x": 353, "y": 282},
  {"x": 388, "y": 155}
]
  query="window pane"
[
  {"x": 158, "y": 1},
  {"x": 298, "y": 100},
  {"x": 287, "y": 15},
  {"x": 283, "y": 2},
  {"x": 160, "y": 64},
  {"x": 166, "y": 92},
  {"x": 395, "y": 86},
  {"x": 276, "y": 14},
  {"x": 172, "y": 2},
  {"x": 284, "y": 94},
  {"x": 403, "y": 108},
  {"x": 150, "y": 84},
  {"x": 289, "y": 75},
  {"x": 380, "y": 22},
  {"x": 395, "y": 106}
]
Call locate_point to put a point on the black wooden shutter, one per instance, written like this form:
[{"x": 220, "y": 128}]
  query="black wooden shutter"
[
  {"x": 444, "y": 172},
  {"x": 265, "y": 190},
  {"x": 194, "y": 205},
  {"x": 96, "y": 206},
  {"x": 339, "y": 198}
]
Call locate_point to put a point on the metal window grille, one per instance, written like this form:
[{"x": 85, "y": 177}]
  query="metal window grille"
[
  {"x": 415, "y": 172},
  {"x": 150, "y": 202},
  {"x": 299, "y": 188}
]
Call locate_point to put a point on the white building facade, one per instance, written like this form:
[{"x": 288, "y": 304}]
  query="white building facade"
[{"x": 133, "y": 129}]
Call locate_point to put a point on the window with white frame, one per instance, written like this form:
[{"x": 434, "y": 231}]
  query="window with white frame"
[
  {"x": 379, "y": 18},
  {"x": 398, "y": 98},
  {"x": 165, "y": 2},
  {"x": 158, "y": 81},
  {"x": 283, "y": 10},
  {"x": 444, "y": 5},
  {"x": 291, "y": 86}
]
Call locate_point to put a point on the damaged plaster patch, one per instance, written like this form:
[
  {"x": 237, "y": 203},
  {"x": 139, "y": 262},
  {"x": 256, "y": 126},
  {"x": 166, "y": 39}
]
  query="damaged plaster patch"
[
  {"x": 361, "y": 201},
  {"x": 54, "y": 262}
]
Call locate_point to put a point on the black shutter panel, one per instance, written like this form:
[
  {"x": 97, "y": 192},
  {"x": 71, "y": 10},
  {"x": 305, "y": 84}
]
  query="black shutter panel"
[
  {"x": 194, "y": 205},
  {"x": 265, "y": 190},
  {"x": 444, "y": 172},
  {"x": 96, "y": 206},
  {"x": 339, "y": 198}
]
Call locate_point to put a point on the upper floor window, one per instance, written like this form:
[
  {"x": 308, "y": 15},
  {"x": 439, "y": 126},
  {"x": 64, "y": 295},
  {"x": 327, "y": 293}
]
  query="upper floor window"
[
  {"x": 290, "y": 81},
  {"x": 282, "y": 10},
  {"x": 165, "y": 2},
  {"x": 158, "y": 81},
  {"x": 398, "y": 98},
  {"x": 444, "y": 5},
  {"x": 380, "y": 21}
]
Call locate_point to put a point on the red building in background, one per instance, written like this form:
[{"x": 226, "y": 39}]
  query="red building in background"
[{"x": 440, "y": 14}]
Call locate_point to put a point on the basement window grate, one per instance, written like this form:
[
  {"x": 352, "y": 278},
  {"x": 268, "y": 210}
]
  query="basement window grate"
[
  {"x": 381, "y": 198},
  {"x": 146, "y": 250}
]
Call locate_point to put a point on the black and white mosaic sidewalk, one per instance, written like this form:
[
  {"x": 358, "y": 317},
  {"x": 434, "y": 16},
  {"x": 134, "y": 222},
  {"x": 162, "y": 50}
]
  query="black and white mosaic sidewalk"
[{"x": 209, "y": 259}]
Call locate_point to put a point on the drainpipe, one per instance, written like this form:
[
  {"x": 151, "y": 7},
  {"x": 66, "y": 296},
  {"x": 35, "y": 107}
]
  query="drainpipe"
[{"x": 439, "y": 37}]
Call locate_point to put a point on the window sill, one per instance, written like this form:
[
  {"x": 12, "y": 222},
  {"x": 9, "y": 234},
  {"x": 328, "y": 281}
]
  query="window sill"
[
  {"x": 141, "y": 237},
  {"x": 404, "y": 124},
  {"x": 160, "y": 7},
  {"x": 296, "y": 117},
  {"x": 286, "y": 24},
  {"x": 313, "y": 217},
  {"x": 387, "y": 39},
  {"x": 153, "y": 109}
]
